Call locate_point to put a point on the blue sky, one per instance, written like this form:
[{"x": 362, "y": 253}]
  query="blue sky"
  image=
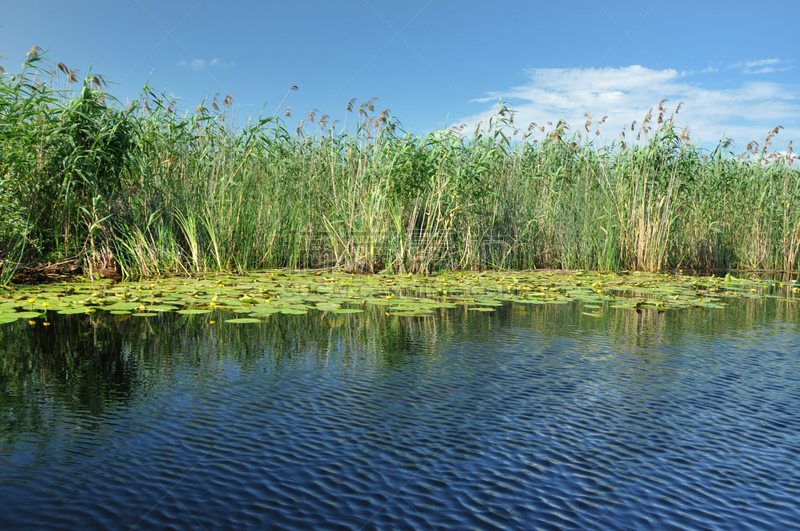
[{"x": 734, "y": 65}]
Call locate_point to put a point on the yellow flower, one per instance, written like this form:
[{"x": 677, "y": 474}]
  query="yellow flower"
[
  {"x": 212, "y": 322},
  {"x": 46, "y": 324},
  {"x": 31, "y": 300},
  {"x": 387, "y": 313},
  {"x": 213, "y": 304},
  {"x": 45, "y": 304},
  {"x": 32, "y": 322}
]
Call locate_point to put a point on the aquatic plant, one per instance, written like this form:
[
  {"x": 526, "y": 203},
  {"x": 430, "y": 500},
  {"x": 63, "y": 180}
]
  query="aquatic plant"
[
  {"x": 257, "y": 295},
  {"x": 144, "y": 190}
]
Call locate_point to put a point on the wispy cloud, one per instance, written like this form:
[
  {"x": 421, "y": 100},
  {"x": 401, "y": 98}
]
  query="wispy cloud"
[
  {"x": 764, "y": 66},
  {"x": 199, "y": 64},
  {"x": 743, "y": 112}
]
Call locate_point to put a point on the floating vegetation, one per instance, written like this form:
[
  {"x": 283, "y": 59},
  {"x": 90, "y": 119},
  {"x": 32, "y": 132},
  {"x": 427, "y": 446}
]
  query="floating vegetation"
[{"x": 260, "y": 294}]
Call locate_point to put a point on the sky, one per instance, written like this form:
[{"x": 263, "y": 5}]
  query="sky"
[{"x": 439, "y": 63}]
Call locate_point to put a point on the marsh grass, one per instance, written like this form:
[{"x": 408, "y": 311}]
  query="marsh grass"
[{"x": 161, "y": 192}]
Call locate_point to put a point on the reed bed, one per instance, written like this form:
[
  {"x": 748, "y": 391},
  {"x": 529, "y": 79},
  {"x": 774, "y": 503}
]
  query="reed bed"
[{"x": 151, "y": 191}]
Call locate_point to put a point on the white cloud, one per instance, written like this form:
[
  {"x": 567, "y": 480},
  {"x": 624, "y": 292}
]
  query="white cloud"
[
  {"x": 762, "y": 62},
  {"x": 764, "y": 66},
  {"x": 744, "y": 112},
  {"x": 200, "y": 64}
]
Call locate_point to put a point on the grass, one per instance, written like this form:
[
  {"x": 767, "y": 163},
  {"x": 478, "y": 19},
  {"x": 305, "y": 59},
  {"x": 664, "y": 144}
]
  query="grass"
[{"x": 153, "y": 191}]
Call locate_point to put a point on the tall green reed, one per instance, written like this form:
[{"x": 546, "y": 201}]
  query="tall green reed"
[{"x": 159, "y": 191}]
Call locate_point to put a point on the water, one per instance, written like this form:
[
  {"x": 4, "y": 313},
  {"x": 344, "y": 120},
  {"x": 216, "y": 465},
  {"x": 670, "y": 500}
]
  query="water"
[{"x": 525, "y": 418}]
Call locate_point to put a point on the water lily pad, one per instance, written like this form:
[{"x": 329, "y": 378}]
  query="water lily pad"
[
  {"x": 144, "y": 314},
  {"x": 243, "y": 320},
  {"x": 123, "y": 306},
  {"x": 348, "y": 310},
  {"x": 28, "y": 315},
  {"x": 193, "y": 311},
  {"x": 293, "y": 311},
  {"x": 160, "y": 308},
  {"x": 73, "y": 311},
  {"x": 327, "y": 307}
]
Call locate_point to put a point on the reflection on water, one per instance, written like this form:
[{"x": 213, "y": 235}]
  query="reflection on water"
[{"x": 527, "y": 417}]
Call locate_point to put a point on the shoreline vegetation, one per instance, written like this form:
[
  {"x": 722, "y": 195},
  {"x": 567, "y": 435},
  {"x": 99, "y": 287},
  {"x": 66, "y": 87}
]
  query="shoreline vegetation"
[{"x": 101, "y": 189}]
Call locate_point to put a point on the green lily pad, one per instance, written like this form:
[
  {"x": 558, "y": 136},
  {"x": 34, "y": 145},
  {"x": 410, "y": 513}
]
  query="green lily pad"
[
  {"x": 29, "y": 315},
  {"x": 123, "y": 306},
  {"x": 293, "y": 311},
  {"x": 73, "y": 311},
  {"x": 243, "y": 320},
  {"x": 160, "y": 308}
]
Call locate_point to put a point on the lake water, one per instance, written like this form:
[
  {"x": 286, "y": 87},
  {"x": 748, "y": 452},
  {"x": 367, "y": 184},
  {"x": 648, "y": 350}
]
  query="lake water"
[{"x": 528, "y": 417}]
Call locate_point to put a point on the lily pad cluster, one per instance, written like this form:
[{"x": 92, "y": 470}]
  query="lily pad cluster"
[{"x": 255, "y": 296}]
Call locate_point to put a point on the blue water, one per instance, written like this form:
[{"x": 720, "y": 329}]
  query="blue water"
[{"x": 524, "y": 418}]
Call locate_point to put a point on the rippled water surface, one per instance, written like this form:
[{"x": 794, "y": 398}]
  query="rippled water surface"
[{"x": 522, "y": 418}]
